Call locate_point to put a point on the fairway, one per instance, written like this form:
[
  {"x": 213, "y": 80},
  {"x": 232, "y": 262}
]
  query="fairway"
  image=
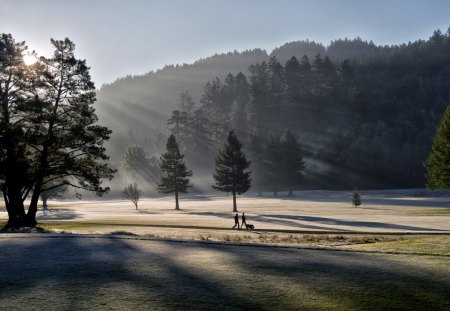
[
  {"x": 311, "y": 252},
  {"x": 394, "y": 211},
  {"x": 105, "y": 273}
]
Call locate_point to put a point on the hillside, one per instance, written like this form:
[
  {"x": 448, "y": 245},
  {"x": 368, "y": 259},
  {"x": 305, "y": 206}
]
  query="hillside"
[
  {"x": 364, "y": 115},
  {"x": 134, "y": 106}
]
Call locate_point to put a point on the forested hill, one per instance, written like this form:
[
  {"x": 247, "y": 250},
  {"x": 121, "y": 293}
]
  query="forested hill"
[
  {"x": 134, "y": 106},
  {"x": 364, "y": 114}
]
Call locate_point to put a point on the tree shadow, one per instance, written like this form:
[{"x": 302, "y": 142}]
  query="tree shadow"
[
  {"x": 84, "y": 273},
  {"x": 292, "y": 220},
  {"x": 56, "y": 214},
  {"x": 317, "y": 223}
]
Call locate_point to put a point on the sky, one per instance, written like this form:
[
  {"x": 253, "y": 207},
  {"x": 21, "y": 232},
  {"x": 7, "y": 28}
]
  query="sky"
[{"x": 119, "y": 37}]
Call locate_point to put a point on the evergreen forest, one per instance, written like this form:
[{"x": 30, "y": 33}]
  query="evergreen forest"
[{"x": 356, "y": 114}]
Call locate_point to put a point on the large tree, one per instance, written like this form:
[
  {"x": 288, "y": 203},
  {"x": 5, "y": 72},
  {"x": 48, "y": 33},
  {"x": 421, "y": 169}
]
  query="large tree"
[
  {"x": 69, "y": 144},
  {"x": 231, "y": 172},
  {"x": 15, "y": 89},
  {"x": 177, "y": 175},
  {"x": 56, "y": 136},
  {"x": 438, "y": 161}
]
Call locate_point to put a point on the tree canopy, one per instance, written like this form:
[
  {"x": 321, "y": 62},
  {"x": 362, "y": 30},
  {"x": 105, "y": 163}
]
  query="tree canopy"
[
  {"x": 231, "y": 172},
  {"x": 438, "y": 161},
  {"x": 177, "y": 175},
  {"x": 50, "y": 134}
]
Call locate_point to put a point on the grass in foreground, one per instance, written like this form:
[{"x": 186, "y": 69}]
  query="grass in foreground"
[{"x": 130, "y": 274}]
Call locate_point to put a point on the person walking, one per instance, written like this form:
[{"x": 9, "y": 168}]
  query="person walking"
[
  {"x": 243, "y": 221},
  {"x": 236, "y": 221}
]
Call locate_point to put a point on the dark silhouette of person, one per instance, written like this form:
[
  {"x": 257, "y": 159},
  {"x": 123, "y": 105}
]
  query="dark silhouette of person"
[
  {"x": 236, "y": 221},
  {"x": 243, "y": 220}
]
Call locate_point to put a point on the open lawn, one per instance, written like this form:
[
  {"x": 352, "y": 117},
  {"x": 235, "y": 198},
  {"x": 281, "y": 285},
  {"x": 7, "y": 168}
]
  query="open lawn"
[
  {"x": 390, "y": 211},
  {"x": 73, "y": 272},
  {"x": 310, "y": 252}
]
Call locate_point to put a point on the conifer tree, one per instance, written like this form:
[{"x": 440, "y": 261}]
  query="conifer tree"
[
  {"x": 177, "y": 179},
  {"x": 258, "y": 114},
  {"x": 356, "y": 199},
  {"x": 67, "y": 141},
  {"x": 239, "y": 121},
  {"x": 438, "y": 162},
  {"x": 256, "y": 151},
  {"x": 292, "y": 164},
  {"x": 231, "y": 172},
  {"x": 272, "y": 164}
]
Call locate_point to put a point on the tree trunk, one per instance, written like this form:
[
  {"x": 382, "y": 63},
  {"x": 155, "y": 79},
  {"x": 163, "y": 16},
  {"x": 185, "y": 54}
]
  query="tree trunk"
[
  {"x": 16, "y": 209},
  {"x": 234, "y": 202},
  {"x": 32, "y": 209},
  {"x": 291, "y": 193},
  {"x": 44, "y": 199},
  {"x": 275, "y": 193},
  {"x": 177, "y": 206},
  {"x": 260, "y": 193}
]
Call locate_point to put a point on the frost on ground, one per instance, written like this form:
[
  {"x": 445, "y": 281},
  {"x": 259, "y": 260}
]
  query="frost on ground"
[
  {"x": 83, "y": 273},
  {"x": 126, "y": 271},
  {"x": 381, "y": 211}
]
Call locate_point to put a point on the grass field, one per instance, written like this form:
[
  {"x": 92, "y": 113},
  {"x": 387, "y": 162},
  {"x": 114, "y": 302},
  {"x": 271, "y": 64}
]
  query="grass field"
[{"x": 314, "y": 252}]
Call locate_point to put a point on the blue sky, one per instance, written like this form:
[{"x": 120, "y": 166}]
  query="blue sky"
[{"x": 135, "y": 36}]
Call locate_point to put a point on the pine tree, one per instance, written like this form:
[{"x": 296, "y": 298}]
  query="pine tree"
[
  {"x": 239, "y": 120},
  {"x": 256, "y": 152},
  {"x": 231, "y": 172},
  {"x": 258, "y": 114},
  {"x": 438, "y": 162},
  {"x": 292, "y": 164},
  {"x": 67, "y": 141},
  {"x": 356, "y": 199},
  {"x": 177, "y": 179},
  {"x": 272, "y": 163}
]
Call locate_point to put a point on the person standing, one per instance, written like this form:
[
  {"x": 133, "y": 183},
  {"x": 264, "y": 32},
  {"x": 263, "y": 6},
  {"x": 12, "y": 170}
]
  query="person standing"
[
  {"x": 243, "y": 220},
  {"x": 236, "y": 221}
]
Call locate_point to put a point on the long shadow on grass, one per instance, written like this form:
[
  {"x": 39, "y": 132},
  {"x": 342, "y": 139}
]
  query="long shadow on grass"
[
  {"x": 57, "y": 214},
  {"x": 79, "y": 273},
  {"x": 340, "y": 222},
  {"x": 311, "y": 222},
  {"x": 75, "y": 273}
]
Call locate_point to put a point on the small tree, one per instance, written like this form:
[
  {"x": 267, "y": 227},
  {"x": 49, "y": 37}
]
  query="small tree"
[
  {"x": 356, "y": 199},
  {"x": 231, "y": 172},
  {"x": 177, "y": 179},
  {"x": 133, "y": 193}
]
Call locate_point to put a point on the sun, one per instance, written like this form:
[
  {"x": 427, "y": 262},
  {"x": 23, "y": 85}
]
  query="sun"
[{"x": 29, "y": 59}]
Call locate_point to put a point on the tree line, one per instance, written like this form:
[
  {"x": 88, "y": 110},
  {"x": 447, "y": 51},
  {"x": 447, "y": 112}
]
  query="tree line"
[{"x": 364, "y": 122}]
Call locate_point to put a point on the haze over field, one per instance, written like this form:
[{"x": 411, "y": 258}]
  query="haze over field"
[
  {"x": 225, "y": 155},
  {"x": 364, "y": 118}
]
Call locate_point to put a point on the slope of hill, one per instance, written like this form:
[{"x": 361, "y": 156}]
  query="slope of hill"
[{"x": 136, "y": 108}]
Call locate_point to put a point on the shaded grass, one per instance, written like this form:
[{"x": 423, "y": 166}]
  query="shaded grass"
[{"x": 72, "y": 273}]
